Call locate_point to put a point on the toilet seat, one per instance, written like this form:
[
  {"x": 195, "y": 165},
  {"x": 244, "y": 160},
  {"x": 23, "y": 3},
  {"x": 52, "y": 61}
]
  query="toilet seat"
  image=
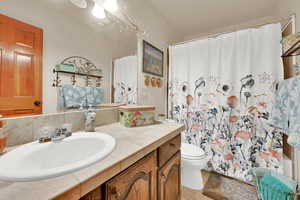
[{"x": 192, "y": 152}]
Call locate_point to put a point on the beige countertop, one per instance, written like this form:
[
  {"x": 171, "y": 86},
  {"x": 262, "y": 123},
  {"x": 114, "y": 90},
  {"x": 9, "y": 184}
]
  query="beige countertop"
[{"x": 132, "y": 144}]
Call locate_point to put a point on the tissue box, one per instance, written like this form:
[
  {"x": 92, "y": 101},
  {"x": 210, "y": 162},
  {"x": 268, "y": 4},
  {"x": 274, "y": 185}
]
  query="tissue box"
[{"x": 133, "y": 116}]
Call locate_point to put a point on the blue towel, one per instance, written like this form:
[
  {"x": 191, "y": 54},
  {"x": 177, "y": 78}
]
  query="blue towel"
[
  {"x": 94, "y": 96},
  {"x": 71, "y": 96},
  {"x": 286, "y": 110},
  {"x": 272, "y": 188}
]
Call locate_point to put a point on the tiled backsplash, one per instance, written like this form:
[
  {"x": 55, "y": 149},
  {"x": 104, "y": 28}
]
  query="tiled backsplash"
[{"x": 21, "y": 130}]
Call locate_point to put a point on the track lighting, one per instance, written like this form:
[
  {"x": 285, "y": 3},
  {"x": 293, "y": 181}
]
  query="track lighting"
[
  {"x": 110, "y": 5},
  {"x": 80, "y": 3},
  {"x": 99, "y": 7}
]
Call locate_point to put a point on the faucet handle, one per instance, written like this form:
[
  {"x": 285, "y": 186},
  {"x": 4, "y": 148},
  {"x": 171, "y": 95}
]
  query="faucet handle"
[
  {"x": 66, "y": 132},
  {"x": 67, "y": 129},
  {"x": 63, "y": 131},
  {"x": 67, "y": 126},
  {"x": 47, "y": 131},
  {"x": 46, "y": 134},
  {"x": 58, "y": 132}
]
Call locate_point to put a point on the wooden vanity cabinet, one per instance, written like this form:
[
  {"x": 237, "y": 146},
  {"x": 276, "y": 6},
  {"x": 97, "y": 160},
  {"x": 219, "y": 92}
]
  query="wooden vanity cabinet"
[
  {"x": 136, "y": 183},
  {"x": 94, "y": 195},
  {"x": 154, "y": 177},
  {"x": 169, "y": 184},
  {"x": 168, "y": 149}
]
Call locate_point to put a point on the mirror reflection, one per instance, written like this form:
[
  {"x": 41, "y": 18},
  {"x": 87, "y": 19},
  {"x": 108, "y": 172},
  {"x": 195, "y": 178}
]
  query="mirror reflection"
[
  {"x": 78, "y": 54},
  {"x": 125, "y": 80}
]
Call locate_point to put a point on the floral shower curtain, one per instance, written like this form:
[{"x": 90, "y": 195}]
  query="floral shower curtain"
[{"x": 222, "y": 89}]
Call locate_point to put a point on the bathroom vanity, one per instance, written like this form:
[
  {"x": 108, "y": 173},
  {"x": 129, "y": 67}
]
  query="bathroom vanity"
[
  {"x": 145, "y": 164},
  {"x": 155, "y": 175}
]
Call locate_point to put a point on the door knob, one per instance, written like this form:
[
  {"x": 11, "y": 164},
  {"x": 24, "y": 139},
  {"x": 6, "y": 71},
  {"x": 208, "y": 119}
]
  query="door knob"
[{"x": 37, "y": 103}]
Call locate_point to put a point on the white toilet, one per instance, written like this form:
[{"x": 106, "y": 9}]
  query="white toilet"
[{"x": 193, "y": 159}]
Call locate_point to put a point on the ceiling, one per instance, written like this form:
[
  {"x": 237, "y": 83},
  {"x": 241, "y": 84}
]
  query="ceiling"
[
  {"x": 111, "y": 26},
  {"x": 193, "y": 17},
  {"x": 186, "y": 18}
]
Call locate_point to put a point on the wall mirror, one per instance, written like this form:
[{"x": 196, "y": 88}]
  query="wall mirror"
[{"x": 69, "y": 54}]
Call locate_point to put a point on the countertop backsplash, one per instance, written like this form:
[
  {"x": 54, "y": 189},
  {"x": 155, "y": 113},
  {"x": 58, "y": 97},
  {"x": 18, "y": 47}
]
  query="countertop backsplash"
[{"x": 21, "y": 130}]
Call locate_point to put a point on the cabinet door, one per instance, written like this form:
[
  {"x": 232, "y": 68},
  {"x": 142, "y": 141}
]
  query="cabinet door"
[
  {"x": 169, "y": 186},
  {"x": 138, "y": 182},
  {"x": 94, "y": 195},
  {"x": 167, "y": 150}
]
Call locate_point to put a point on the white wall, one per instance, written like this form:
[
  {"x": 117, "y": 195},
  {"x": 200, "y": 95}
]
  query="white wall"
[
  {"x": 159, "y": 33},
  {"x": 148, "y": 95},
  {"x": 63, "y": 37}
]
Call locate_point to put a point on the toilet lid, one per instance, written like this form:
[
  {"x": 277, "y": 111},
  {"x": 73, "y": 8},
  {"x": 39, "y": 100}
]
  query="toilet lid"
[{"x": 190, "y": 151}]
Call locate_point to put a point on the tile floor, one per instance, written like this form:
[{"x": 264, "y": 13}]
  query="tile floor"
[
  {"x": 218, "y": 187},
  {"x": 189, "y": 194}
]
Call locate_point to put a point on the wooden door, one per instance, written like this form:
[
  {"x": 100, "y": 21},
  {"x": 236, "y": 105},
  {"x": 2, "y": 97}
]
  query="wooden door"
[
  {"x": 169, "y": 184},
  {"x": 136, "y": 183},
  {"x": 3, "y": 56},
  {"x": 20, "y": 68}
]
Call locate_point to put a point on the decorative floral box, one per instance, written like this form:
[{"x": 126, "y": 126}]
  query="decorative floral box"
[{"x": 132, "y": 116}]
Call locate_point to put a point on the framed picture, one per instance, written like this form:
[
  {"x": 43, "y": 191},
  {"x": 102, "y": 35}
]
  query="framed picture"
[{"x": 153, "y": 60}]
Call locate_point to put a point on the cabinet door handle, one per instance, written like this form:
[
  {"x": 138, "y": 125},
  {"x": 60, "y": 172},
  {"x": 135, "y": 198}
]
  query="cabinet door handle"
[
  {"x": 172, "y": 145},
  {"x": 114, "y": 192},
  {"x": 162, "y": 176}
]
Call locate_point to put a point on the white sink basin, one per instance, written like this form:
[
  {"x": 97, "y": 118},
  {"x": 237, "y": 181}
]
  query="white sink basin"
[{"x": 36, "y": 161}]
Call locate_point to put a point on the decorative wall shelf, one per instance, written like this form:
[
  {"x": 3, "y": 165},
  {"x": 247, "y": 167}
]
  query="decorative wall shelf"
[
  {"x": 77, "y": 73},
  {"x": 83, "y": 68}
]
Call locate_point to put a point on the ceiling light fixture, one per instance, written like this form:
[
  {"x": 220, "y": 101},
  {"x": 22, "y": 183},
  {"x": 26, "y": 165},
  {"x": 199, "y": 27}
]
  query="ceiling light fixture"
[
  {"x": 98, "y": 11},
  {"x": 110, "y": 5},
  {"x": 80, "y": 3}
]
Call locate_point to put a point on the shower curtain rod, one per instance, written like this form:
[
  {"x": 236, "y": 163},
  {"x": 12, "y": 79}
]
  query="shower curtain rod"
[{"x": 282, "y": 19}]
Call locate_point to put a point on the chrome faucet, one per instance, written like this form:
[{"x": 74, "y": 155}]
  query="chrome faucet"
[{"x": 58, "y": 134}]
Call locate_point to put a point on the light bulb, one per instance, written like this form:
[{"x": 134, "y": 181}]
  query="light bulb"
[
  {"x": 111, "y": 5},
  {"x": 98, "y": 11}
]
